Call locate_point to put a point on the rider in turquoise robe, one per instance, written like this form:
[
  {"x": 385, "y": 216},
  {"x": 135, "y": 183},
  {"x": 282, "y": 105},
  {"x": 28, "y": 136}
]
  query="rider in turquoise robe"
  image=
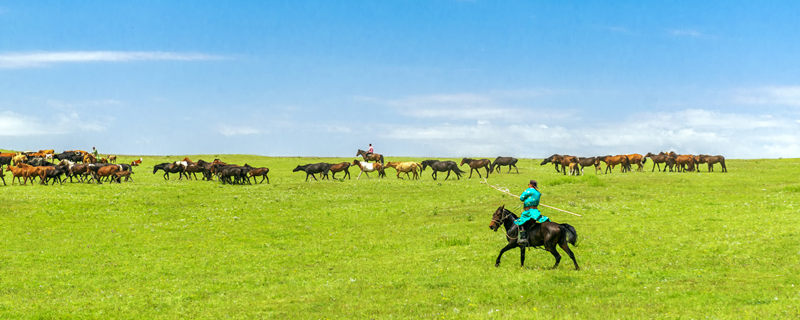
[{"x": 530, "y": 199}]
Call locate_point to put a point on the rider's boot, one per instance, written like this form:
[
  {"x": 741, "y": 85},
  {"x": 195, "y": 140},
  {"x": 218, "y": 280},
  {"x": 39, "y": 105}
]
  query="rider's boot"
[{"x": 522, "y": 238}]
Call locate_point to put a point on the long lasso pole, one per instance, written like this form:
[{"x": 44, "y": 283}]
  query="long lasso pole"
[{"x": 505, "y": 190}]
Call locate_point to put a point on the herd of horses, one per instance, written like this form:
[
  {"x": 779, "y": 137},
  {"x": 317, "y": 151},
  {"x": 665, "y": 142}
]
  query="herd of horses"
[
  {"x": 573, "y": 165},
  {"x": 52, "y": 168},
  {"x": 224, "y": 172},
  {"x": 411, "y": 169}
]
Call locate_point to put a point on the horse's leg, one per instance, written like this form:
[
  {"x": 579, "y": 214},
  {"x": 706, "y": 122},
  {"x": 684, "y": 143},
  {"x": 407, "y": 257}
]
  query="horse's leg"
[
  {"x": 359, "y": 175},
  {"x": 448, "y": 175},
  {"x": 470, "y": 172},
  {"x": 552, "y": 248},
  {"x": 478, "y": 171},
  {"x": 521, "y": 256},
  {"x": 565, "y": 247},
  {"x": 509, "y": 246}
]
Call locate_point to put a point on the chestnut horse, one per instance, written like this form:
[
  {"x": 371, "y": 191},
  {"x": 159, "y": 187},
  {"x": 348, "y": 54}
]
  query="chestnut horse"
[
  {"x": 613, "y": 161},
  {"x": 711, "y": 160},
  {"x": 636, "y": 159},
  {"x": 475, "y": 165},
  {"x": 339, "y": 167},
  {"x": 371, "y": 157},
  {"x": 566, "y": 162},
  {"x": 684, "y": 162},
  {"x": 406, "y": 167},
  {"x": 548, "y": 234}
]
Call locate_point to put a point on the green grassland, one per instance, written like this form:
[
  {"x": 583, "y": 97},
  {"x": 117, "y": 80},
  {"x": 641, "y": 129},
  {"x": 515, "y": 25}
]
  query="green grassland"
[{"x": 651, "y": 245}]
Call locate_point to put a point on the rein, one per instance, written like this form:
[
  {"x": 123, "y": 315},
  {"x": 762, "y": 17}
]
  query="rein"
[{"x": 505, "y": 216}]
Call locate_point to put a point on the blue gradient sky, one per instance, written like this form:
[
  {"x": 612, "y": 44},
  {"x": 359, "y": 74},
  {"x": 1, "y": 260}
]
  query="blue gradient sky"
[{"x": 418, "y": 78}]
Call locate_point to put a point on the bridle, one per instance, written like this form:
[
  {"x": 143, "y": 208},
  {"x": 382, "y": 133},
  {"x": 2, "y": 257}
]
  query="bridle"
[{"x": 506, "y": 214}]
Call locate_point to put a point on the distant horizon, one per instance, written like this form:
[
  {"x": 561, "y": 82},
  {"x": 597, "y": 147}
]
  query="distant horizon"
[{"x": 446, "y": 77}]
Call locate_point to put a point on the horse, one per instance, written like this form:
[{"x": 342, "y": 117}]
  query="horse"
[
  {"x": 566, "y": 162},
  {"x": 405, "y": 167},
  {"x": 19, "y": 158},
  {"x": 554, "y": 159},
  {"x": 367, "y": 167},
  {"x": 112, "y": 158},
  {"x": 371, "y": 157},
  {"x": 711, "y": 160},
  {"x": 574, "y": 169},
  {"x": 590, "y": 161},
  {"x": 657, "y": 160},
  {"x": 234, "y": 174},
  {"x": 548, "y": 234},
  {"x": 108, "y": 171},
  {"x": 427, "y": 163},
  {"x": 637, "y": 159},
  {"x": 256, "y": 172},
  {"x": 475, "y": 165},
  {"x": 311, "y": 169},
  {"x": 169, "y": 167},
  {"x": 137, "y": 162},
  {"x": 124, "y": 174},
  {"x": 685, "y": 162},
  {"x": 613, "y": 161},
  {"x": 505, "y": 161},
  {"x": 5, "y": 160},
  {"x": 2, "y": 175},
  {"x": 89, "y": 158},
  {"x": 444, "y": 166},
  {"x": 339, "y": 167}
]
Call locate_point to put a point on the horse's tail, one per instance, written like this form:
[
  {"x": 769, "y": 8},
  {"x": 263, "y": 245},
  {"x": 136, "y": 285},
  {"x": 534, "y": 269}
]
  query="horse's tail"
[
  {"x": 722, "y": 162},
  {"x": 381, "y": 159},
  {"x": 570, "y": 234}
]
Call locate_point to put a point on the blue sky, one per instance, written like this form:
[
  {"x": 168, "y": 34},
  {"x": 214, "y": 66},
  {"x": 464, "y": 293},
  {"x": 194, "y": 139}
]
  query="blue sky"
[{"x": 417, "y": 78}]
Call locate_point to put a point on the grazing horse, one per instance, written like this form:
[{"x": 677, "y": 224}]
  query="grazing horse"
[
  {"x": 548, "y": 234},
  {"x": 444, "y": 166},
  {"x": 711, "y": 160},
  {"x": 613, "y": 161},
  {"x": 657, "y": 160},
  {"x": 367, "y": 167},
  {"x": 590, "y": 161},
  {"x": 504, "y": 161},
  {"x": 406, "y": 167},
  {"x": 171, "y": 167},
  {"x": 637, "y": 159},
  {"x": 554, "y": 159},
  {"x": 311, "y": 169},
  {"x": 371, "y": 157},
  {"x": 477, "y": 164},
  {"x": 339, "y": 167}
]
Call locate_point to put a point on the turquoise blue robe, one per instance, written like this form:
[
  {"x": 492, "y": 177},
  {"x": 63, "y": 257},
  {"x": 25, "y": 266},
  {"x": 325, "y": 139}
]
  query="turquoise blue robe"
[{"x": 530, "y": 198}]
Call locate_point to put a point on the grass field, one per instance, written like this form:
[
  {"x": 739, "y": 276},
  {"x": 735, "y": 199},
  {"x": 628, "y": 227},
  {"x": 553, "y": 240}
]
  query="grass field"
[{"x": 651, "y": 245}]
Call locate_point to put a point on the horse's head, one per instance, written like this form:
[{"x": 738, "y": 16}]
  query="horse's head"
[
  {"x": 356, "y": 162},
  {"x": 497, "y": 218},
  {"x": 299, "y": 168},
  {"x": 463, "y": 161}
]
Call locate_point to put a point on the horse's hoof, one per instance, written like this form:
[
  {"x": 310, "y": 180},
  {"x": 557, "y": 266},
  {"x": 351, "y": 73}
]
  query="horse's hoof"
[{"x": 496, "y": 265}]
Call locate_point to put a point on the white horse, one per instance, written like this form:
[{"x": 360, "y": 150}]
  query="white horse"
[{"x": 367, "y": 167}]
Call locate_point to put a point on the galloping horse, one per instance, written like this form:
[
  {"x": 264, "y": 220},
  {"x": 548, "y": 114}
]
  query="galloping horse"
[
  {"x": 554, "y": 159},
  {"x": 367, "y": 167},
  {"x": 505, "y": 161},
  {"x": 372, "y": 157},
  {"x": 475, "y": 165},
  {"x": 548, "y": 234}
]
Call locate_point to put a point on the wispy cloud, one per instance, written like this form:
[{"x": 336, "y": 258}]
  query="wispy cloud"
[
  {"x": 41, "y": 59},
  {"x": 230, "y": 131},
  {"x": 17, "y": 125},
  {"x": 691, "y": 33},
  {"x": 770, "y": 95}
]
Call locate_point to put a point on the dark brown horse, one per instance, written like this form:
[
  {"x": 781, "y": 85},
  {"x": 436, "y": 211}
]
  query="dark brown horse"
[
  {"x": 477, "y": 164},
  {"x": 504, "y": 161},
  {"x": 554, "y": 159},
  {"x": 566, "y": 161},
  {"x": 339, "y": 167},
  {"x": 590, "y": 161},
  {"x": 657, "y": 160},
  {"x": 371, "y": 157},
  {"x": 548, "y": 234}
]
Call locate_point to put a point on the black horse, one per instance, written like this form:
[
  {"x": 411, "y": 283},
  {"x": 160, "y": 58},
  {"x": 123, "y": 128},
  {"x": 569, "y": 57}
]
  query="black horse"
[
  {"x": 442, "y": 166},
  {"x": 312, "y": 168},
  {"x": 505, "y": 161},
  {"x": 548, "y": 234},
  {"x": 170, "y": 167},
  {"x": 554, "y": 159}
]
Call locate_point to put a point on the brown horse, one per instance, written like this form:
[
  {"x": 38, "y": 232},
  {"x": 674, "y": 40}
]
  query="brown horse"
[
  {"x": 548, "y": 234},
  {"x": 371, "y": 157},
  {"x": 637, "y": 159},
  {"x": 591, "y": 161},
  {"x": 566, "y": 162},
  {"x": 477, "y": 164},
  {"x": 684, "y": 162},
  {"x": 613, "y": 161},
  {"x": 262, "y": 172},
  {"x": 406, "y": 167},
  {"x": 711, "y": 160},
  {"x": 339, "y": 167},
  {"x": 89, "y": 158},
  {"x": 2, "y": 175},
  {"x": 112, "y": 158},
  {"x": 657, "y": 160}
]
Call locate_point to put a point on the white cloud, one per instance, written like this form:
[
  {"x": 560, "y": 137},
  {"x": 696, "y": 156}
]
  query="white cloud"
[
  {"x": 770, "y": 95},
  {"x": 17, "y": 125},
  {"x": 40, "y": 59},
  {"x": 229, "y": 131},
  {"x": 687, "y": 33}
]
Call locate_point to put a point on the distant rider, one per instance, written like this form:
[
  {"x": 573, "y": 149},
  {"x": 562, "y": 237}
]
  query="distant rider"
[
  {"x": 530, "y": 199},
  {"x": 370, "y": 151}
]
